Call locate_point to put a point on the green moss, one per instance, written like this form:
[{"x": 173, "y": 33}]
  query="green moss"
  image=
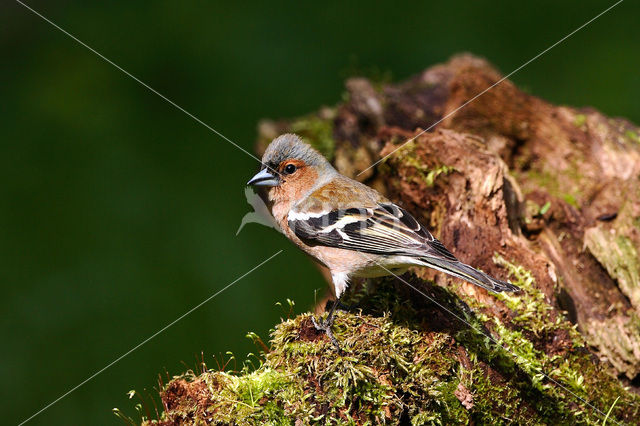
[
  {"x": 317, "y": 131},
  {"x": 530, "y": 307},
  {"x": 632, "y": 135},
  {"x": 579, "y": 120},
  {"x": 366, "y": 381},
  {"x": 571, "y": 199},
  {"x": 408, "y": 360},
  {"x": 545, "y": 208},
  {"x": 572, "y": 367},
  {"x": 406, "y": 155},
  {"x": 544, "y": 179}
]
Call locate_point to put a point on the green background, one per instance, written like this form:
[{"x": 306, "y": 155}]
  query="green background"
[{"x": 118, "y": 212}]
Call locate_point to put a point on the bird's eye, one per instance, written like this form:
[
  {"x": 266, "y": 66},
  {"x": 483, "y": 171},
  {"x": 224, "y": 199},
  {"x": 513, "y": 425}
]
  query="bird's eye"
[{"x": 289, "y": 168}]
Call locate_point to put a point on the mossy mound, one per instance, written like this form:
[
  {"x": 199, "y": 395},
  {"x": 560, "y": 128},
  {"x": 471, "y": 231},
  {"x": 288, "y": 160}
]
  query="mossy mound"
[{"x": 409, "y": 360}]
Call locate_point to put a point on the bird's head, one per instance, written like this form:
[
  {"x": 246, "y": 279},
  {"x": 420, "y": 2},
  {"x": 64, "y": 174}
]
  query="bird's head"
[{"x": 291, "y": 168}]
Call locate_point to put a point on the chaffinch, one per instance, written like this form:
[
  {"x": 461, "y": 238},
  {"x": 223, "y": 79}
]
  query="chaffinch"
[{"x": 347, "y": 226}]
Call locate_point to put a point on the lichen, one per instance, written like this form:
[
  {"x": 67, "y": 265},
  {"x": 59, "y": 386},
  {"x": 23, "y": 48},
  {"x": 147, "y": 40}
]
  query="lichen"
[
  {"x": 617, "y": 342},
  {"x": 617, "y": 253}
]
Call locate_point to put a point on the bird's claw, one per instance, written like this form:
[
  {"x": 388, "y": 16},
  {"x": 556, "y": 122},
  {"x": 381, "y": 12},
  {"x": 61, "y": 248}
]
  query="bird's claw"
[{"x": 325, "y": 326}]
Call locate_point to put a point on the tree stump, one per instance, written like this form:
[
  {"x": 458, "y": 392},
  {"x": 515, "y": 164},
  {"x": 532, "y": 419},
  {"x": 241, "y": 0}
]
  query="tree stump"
[{"x": 545, "y": 196}]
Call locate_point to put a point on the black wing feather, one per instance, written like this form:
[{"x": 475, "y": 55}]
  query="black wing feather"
[{"x": 387, "y": 230}]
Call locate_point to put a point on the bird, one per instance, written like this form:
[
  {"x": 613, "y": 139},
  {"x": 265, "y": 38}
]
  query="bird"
[{"x": 347, "y": 226}]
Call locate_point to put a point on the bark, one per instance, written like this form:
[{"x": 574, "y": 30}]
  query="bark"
[{"x": 546, "y": 196}]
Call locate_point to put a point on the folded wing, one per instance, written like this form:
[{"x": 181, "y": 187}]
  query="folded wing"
[{"x": 385, "y": 229}]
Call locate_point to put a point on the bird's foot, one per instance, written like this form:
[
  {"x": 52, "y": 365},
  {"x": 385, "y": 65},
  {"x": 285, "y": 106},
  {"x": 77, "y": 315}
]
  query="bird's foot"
[{"x": 325, "y": 325}]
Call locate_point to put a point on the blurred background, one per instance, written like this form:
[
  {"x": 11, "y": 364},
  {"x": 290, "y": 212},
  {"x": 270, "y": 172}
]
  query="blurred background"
[{"x": 118, "y": 212}]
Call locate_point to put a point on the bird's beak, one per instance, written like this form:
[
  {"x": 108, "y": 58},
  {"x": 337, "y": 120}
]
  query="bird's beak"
[{"x": 264, "y": 178}]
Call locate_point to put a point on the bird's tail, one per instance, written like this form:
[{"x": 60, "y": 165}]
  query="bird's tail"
[{"x": 467, "y": 273}]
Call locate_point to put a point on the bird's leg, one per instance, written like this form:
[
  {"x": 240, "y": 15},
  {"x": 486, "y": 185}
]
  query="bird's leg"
[
  {"x": 340, "y": 306},
  {"x": 348, "y": 308},
  {"x": 325, "y": 325},
  {"x": 362, "y": 285}
]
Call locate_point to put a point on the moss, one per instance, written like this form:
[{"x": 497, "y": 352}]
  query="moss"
[
  {"x": 367, "y": 382},
  {"x": 410, "y": 362},
  {"x": 572, "y": 366},
  {"x": 632, "y": 135},
  {"x": 545, "y": 208},
  {"x": 579, "y": 120},
  {"x": 428, "y": 174},
  {"x": 551, "y": 183},
  {"x": 530, "y": 308},
  {"x": 317, "y": 131},
  {"x": 571, "y": 199}
]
